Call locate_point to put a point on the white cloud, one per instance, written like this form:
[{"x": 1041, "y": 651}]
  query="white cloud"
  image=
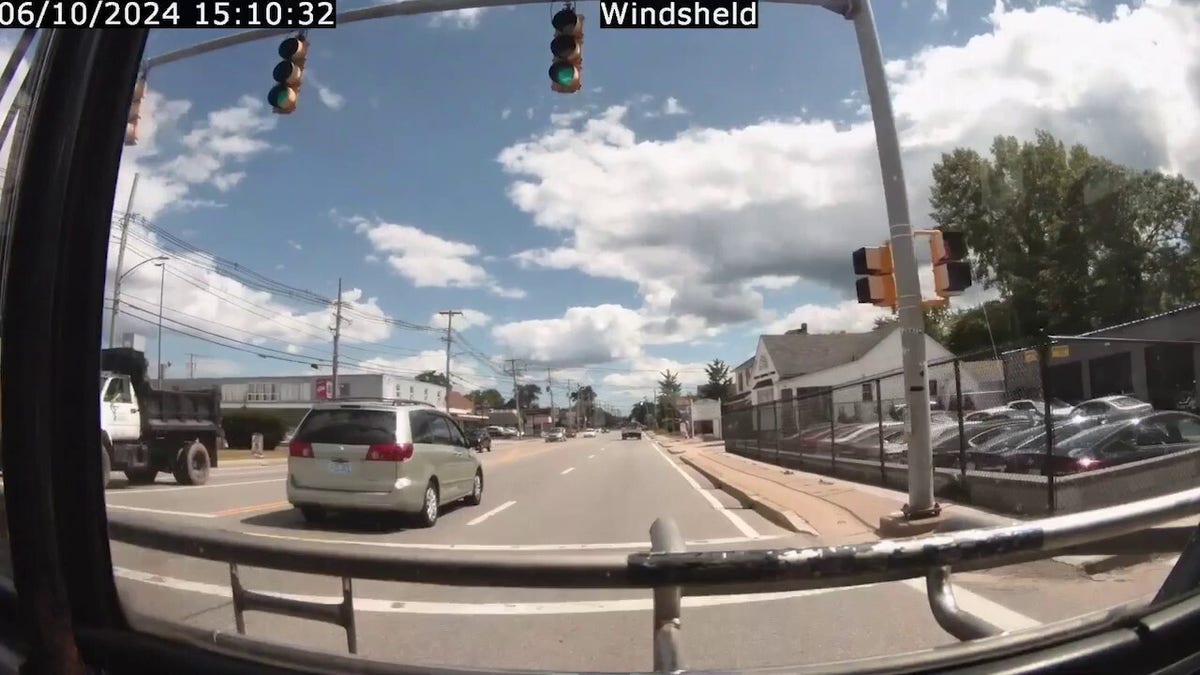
[
  {"x": 504, "y": 114},
  {"x": 331, "y": 99},
  {"x": 672, "y": 107},
  {"x": 294, "y": 245},
  {"x": 692, "y": 223},
  {"x": 643, "y": 376},
  {"x": 427, "y": 260},
  {"x": 848, "y": 316},
  {"x": 469, "y": 318},
  {"x": 940, "y": 9},
  {"x": 462, "y": 19}
]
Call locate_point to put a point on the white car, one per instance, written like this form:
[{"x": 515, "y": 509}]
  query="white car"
[{"x": 589, "y": 433}]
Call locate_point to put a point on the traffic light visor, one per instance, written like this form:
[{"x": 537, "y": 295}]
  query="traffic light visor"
[
  {"x": 288, "y": 73},
  {"x": 293, "y": 49},
  {"x": 567, "y": 21},
  {"x": 565, "y": 47}
]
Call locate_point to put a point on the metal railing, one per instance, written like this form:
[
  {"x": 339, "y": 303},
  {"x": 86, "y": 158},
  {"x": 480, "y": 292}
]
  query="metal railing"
[{"x": 671, "y": 571}]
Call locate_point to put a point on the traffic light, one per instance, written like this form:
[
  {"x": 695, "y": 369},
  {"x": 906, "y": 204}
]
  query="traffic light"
[
  {"x": 566, "y": 72},
  {"x": 135, "y": 111},
  {"x": 289, "y": 75},
  {"x": 951, "y": 271},
  {"x": 877, "y": 285}
]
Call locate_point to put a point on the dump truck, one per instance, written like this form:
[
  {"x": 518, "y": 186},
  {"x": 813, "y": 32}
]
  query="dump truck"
[{"x": 144, "y": 431}]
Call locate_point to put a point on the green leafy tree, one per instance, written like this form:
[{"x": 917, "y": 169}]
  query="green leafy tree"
[
  {"x": 1072, "y": 241},
  {"x": 719, "y": 385},
  {"x": 487, "y": 398},
  {"x": 585, "y": 399},
  {"x": 529, "y": 394},
  {"x": 669, "y": 391}
]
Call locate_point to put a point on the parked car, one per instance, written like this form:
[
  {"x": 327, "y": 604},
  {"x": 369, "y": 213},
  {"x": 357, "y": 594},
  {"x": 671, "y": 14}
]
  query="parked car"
[
  {"x": 1109, "y": 408},
  {"x": 1113, "y": 444},
  {"x": 556, "y": 435},
  {"x": 402, "y": 458}
]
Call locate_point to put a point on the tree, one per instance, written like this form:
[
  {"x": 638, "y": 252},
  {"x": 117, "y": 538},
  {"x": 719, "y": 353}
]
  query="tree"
[
  {"x": 487, "y": 398},
  {"x": 669, "y": 390},
  {"x": 719, "y": 385},
  {"x": 529, "y": 396},
  {"x": 585, "y": 399},
  {"x": 433, "y": 377},
  {"x": 1072, "y": 241},
  {"x": 642, "y": 412}
]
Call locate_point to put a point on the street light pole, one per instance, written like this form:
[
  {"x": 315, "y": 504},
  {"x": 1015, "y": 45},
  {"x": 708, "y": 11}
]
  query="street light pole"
[
  {"x": 162, "y": 284},
  {"x": 116, "y": 308}
]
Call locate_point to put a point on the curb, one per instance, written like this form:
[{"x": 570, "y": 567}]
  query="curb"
[
  {"x": 785, "y": 518},
  {"x": 1099, "y": 564}
]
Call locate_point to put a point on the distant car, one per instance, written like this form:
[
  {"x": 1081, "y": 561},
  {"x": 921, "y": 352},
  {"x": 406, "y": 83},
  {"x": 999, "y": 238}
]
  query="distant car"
[
  {"x": 589, "y": 433},
  {"x": 480, "y": 439},
  {"x": 556, "y": 435},
  {"x": 382, "y": 457},
  {"x": 631, "y": 432}
]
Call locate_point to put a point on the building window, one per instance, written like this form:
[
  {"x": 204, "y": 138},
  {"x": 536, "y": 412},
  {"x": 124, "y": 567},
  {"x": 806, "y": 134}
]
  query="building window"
[
  {"x": 868, "y": 392},
  {"x": 398, "y": 394},
  {"x": 933, "y": 388},
  {"x": 262, "y": 392}
]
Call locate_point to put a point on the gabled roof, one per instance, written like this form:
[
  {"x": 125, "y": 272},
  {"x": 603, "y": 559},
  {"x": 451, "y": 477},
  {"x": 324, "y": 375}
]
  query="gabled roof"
[
  {"x": 745, "y": 364},
  {"x": 804, "y": 353},
  {"x": 458, "y": 401}
]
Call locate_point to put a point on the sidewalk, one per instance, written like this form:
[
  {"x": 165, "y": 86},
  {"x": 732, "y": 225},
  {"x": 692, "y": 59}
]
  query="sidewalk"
[{"x": 844, "y": 512}]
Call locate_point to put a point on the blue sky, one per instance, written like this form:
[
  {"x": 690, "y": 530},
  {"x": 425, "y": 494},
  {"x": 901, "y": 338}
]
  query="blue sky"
[{"x": 705, "y": 187}]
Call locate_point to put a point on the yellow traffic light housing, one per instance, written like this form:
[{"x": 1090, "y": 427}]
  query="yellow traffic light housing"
[
  {"x": 135, "y": 111},
  {"x": 877, "y": 283},
  {"x": 566, "y": 72},
  {"x": 289, "y": 75},
  {"x": 951, "y": 271}
]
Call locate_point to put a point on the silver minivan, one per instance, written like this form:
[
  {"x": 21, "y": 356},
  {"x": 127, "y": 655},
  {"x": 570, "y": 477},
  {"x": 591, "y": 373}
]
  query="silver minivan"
[{"x": 407, "y": 458}]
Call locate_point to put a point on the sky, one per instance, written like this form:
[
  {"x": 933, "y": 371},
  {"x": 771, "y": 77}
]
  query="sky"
[{"x": 705, "y": 186}]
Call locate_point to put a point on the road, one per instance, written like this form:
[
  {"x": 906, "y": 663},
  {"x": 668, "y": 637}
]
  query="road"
[{"x": 543, "y": 498}]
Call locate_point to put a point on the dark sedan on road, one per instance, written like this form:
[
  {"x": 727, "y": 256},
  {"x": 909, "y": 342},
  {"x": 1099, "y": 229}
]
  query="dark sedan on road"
[{"x": 479, "y": 439}]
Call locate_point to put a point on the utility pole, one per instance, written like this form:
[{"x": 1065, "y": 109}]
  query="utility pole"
[
  {"x": 192, "y": 365},
  {"x": 512, "y": 364},
  {"x": 550, "y": 389},
  {"x": 116, "y": 308},
  {"x": 569, "y": 393},
  {"x": 337, "y": 336},
  {"x": 449, "y": 314}
]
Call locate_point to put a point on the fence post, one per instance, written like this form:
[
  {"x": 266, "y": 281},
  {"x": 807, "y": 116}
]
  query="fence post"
[
  {"x": 962, "y": 441},
  {"x": 832, "y": 432},
  {"x": 778, "y": 429},
  {"x": 1044, "y": 371},
  {"x": 879, "y": 425}
]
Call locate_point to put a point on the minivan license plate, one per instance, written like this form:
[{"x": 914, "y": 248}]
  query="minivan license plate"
[{"x": 342, "y": 468}]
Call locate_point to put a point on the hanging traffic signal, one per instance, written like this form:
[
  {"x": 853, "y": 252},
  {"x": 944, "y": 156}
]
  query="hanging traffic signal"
[
  {"x": 135, "y": 111},
  {"x": 877, "y": 285},
  {"x": 289, "y": 75},
  {"x": 951, "y": 271},
  {"x": 566, "y": 73}
]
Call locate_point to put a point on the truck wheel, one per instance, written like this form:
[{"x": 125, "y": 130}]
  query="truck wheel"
[
  {"x": 192, "y": 466},
  {"x": 105, "y": 465},
  {"x": 142, "y": 476}
]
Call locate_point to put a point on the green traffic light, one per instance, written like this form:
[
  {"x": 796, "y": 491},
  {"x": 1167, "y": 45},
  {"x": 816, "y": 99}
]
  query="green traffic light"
[{"x": 562, "y": 74}]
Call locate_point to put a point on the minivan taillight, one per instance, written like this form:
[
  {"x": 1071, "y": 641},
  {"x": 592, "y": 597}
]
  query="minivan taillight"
[
  {"x": 300, "y": 449},
  {"x": 390, "y": 452}
]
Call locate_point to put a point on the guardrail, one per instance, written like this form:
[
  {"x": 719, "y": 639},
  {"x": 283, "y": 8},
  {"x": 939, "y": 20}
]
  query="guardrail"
[{"x": 672, "y": 572}]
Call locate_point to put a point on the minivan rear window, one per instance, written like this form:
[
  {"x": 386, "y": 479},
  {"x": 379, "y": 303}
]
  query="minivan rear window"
[{"x": 348, "y": 427}]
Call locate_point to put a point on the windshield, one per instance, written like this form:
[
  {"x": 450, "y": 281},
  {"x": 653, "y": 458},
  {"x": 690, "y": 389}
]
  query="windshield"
[{"x": 454, "y": 230}]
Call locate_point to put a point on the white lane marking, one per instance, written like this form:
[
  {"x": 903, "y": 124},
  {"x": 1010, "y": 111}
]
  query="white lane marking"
[
  {"x": 491, "y": 513},
  {"x": 734, "y": 518},
  {"x": 591, "y": 457},
  {"x": 157, "y": 490},
  {"x": 161, "y": 512},
  {"x": 994, "y": 613},
  {"x": 505, "y": 547},
  {"x": 567, "y": 471},
  {"x": 482, "y": 608}
]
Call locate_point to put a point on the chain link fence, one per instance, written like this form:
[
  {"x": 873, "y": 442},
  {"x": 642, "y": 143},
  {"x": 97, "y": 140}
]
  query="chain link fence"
[{"x": 1069, "y": 424}]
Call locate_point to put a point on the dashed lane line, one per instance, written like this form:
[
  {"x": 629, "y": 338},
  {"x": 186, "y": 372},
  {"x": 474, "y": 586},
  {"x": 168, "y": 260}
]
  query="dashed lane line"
[
  {"x": 491, "y": 513},
  {"x": 567, "y": 471}
]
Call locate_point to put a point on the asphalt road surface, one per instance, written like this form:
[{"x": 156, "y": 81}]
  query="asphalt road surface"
[{"x": 544, "y": 498}]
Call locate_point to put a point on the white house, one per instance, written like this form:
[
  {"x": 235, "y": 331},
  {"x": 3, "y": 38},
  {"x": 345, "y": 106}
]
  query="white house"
[{"x": 861, "y": 369}]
